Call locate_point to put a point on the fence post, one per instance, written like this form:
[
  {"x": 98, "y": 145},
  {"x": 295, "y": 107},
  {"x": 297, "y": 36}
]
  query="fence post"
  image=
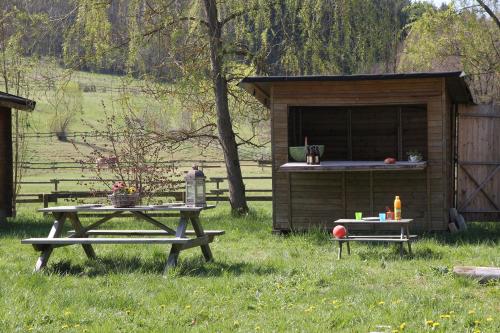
[{"x": 45, "y": 199}]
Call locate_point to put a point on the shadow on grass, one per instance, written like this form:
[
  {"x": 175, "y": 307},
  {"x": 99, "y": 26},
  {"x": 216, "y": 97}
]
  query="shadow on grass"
[
  {"x": 26, "y": 228},
  {"x": 188, "y": 267},
  {"x": 372, "y": 252},
  {"x": 484, "y": 233}
]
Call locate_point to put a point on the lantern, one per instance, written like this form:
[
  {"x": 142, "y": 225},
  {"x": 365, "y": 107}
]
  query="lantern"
[{"x": 195, "y": 188}]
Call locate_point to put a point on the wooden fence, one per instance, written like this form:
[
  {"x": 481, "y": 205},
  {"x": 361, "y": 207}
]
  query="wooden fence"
[
  {"x": 478, "y": 162},
  {"x": 219, "y": 192}
]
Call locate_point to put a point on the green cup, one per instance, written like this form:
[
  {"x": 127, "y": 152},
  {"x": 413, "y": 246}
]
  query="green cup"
[{"x": 358, "y": 215}]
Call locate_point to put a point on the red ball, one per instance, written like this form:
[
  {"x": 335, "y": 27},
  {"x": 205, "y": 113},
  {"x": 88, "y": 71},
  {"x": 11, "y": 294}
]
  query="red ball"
[{"x": 339, "y": 231}]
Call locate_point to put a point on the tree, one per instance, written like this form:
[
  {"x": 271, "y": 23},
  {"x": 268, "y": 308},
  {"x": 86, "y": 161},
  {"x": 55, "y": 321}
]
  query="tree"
[
  {"x": 17, "y": 28},
  {"x": 457, "y": 38}
]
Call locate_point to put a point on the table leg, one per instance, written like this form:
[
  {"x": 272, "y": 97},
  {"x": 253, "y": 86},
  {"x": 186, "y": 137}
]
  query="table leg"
[
  {"x": 409, "y": 240},
  {"x": 340, "y": 250},
  {"x": 348, "y": 248},
  {"x": 80, "y": 232},
  {"x": 55, "y": 232},
  {"x": 198, "y": 229},
  {"x": 176, "y": 248}
]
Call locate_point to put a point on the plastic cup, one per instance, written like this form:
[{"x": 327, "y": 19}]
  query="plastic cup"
[
  {"x": 358, "y": 215},
  {"x": 381, "y": 217}
]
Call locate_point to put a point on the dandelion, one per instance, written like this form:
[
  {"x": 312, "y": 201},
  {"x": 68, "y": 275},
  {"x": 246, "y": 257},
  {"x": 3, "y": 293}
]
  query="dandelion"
[
  {"x": 188, "y": 306},
  {"x": 489, "y": 319},
  {"x": 67, "y": 313},
  {"x": 257, "y": 328},
  {"x": 471, "y": 312},
  {"x": 395, "y": 331},
  {"x": 477, "y": 322},
  {"x": 236, "y": 323},
  {"x": 402, "y": 326},
  {"x": 435, "y": 324},
  {"x": 309, "y": 309},
  {"x": 476, "y": 331},
  {"x": 445, "y": 316},
  {"x": 335, "y": 302},
  {"x": 162, "y": 306},
  {"x": 128, "y": 312},
  {"x": 77, "y": 325},
  {"x": 381, "y": 303},
  {"x": 429, "y": 322},
  {"x": 64, "y": 326}
]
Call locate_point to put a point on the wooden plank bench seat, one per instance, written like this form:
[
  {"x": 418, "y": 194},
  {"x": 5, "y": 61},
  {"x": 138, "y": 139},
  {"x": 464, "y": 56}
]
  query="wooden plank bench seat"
[
  {"x": 98, "y": 232},
  {"x": 386, "y": 238},
  {"x": 39, "y": 244}
]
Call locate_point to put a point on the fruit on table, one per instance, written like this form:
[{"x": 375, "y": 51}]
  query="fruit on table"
[
  {"x": 339, "y": 231},
  {"x": 390, "y": 160}
]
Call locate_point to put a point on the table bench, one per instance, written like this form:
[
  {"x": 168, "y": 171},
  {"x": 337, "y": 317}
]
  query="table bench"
[
  {"x": 403, "y": 237},
  {"x": 85, "y": 236}
]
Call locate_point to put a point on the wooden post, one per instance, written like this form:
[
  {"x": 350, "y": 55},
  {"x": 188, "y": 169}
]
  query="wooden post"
[
  {"x": 349, "y": 135},
  {"x": 400, "y": 134},
  {"x": 6, "y": 166}
]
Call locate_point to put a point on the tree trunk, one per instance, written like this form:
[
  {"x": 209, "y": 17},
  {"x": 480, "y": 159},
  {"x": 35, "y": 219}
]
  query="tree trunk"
[{"x": 224, "y": 126}]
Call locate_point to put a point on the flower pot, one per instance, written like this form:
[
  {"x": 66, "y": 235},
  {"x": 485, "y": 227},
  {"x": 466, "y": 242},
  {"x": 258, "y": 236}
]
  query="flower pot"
[
  {"x": 414, "y": 158},
  {"x": 120, "y": 200}
]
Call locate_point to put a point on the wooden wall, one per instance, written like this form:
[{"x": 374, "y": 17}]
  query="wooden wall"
[
  {"x": 5, "y": 163},
  {"x": 425, "y": 194},
  {"x": 478, "y": 192}
]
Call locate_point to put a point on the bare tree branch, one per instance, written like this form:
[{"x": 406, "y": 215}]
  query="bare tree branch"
[{"x": 490, "y": 12}]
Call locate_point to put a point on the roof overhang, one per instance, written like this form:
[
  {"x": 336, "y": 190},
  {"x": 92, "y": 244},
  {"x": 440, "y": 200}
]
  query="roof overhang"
[
  {"x": 260, "y": 86},
  {"x": 16, "y": 102}
]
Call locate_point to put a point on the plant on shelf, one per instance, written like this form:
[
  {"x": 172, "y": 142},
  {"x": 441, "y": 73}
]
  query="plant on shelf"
[{"x": 414, "y": 156}]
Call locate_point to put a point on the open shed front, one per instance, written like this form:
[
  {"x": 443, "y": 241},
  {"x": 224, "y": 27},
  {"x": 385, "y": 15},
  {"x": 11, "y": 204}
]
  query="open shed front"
[{"x": 361, "y": 120}]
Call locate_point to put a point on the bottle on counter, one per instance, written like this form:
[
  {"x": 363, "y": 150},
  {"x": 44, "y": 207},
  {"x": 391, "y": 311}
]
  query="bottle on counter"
[
  {"x": 309, "y": 157},
  {"x": 397, "y": 208},
  {"x": 316, "y": 155}
]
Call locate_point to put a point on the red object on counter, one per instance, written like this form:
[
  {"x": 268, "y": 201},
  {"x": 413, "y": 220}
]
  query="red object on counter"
[{"x": 390, "y": 160}]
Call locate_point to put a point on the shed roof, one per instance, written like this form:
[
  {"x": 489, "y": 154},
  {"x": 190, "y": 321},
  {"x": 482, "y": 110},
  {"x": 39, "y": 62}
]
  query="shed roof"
[
  {"x": 16, "y": 102},
  {"x": 455, "y": 82}
]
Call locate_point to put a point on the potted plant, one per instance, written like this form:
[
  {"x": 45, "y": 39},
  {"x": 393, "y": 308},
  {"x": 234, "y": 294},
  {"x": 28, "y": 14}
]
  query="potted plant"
[
  {"x": 414, "y": 156},
  {"x": 123, "y": 196}
]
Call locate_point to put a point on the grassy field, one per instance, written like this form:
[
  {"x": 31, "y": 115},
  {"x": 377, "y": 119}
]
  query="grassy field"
[{"x": 259, "y": 282}]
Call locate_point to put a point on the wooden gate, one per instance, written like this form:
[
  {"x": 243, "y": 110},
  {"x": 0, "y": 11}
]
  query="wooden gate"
[{"x": 478, "y": 162}]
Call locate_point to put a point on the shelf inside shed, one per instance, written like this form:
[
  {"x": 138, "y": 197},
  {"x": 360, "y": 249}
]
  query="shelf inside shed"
[{"x": 351, "y": 166}]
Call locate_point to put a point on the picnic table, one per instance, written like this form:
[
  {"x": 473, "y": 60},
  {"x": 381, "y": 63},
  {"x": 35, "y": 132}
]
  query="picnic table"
[
  {"x": 403, "y": 237},
  {"x": 178, "y": 237}
]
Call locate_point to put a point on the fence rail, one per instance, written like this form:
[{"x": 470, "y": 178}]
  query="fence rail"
[{"x": 262, "y": 163}]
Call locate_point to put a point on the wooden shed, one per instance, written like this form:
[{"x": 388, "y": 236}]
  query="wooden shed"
[
  {"x": 361, "y": 120},
  {"x": 7, "y": 103}
]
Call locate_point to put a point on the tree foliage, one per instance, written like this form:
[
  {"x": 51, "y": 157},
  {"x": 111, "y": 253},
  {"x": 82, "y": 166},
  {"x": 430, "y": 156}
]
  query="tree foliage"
[{"x": 458, "y": 37}]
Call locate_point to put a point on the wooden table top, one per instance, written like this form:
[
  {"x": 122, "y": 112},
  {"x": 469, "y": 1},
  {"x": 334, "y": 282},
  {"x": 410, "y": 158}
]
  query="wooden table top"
[
  {"x": 102, "y": 208},
  {"x": 353, "y": 221}
]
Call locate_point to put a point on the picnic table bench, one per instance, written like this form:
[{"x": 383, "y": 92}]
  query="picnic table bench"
[
  {"x": 178, "y": 237},
  {"x": 403, "y": 237}
]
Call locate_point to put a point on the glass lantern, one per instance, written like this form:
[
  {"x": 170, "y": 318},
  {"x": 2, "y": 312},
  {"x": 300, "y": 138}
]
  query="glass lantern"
[{"x": 195, "y": 188}]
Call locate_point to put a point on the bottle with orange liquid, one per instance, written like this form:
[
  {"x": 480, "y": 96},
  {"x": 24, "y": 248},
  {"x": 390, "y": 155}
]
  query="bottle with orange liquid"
[{"x": 397, "y": 208}]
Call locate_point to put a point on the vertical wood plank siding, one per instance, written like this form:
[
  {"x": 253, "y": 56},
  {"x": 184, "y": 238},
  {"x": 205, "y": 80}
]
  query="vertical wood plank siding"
[{"x": 305, "y": 200}]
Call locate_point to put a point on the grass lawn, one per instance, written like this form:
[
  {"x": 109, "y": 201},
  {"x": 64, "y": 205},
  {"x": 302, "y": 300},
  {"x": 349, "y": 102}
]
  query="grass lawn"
[{"x": 258, "y": 282}]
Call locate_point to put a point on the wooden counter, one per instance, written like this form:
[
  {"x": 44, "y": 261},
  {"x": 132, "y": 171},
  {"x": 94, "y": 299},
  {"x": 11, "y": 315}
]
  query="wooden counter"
[{"x": 328, "y": 166}]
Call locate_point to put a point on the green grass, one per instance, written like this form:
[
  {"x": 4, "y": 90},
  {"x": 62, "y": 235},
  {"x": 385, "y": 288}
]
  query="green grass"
[{"x": 258, "y": 282}]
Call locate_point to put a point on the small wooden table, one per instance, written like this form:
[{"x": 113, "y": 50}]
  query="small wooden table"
[
  {"x": 178, "y": 238},
  {"x": 403, "y": 237}
]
